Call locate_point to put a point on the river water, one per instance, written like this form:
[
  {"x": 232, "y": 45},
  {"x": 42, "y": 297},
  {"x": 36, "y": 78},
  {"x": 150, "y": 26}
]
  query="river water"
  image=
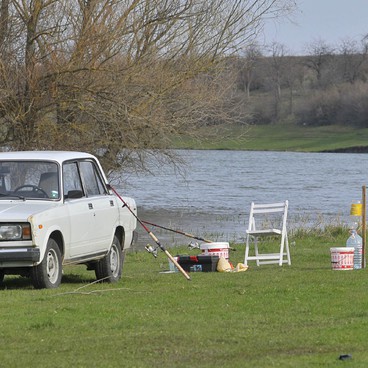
[{"x": 212, "y": 197}]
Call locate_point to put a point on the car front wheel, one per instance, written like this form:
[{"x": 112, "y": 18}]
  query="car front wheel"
[
  {"x": 109, "y": 268},
  {"x": 47, "y": 275}
]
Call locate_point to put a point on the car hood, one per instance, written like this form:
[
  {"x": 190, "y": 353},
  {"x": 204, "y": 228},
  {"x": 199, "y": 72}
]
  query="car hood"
[{"x": 19, "y": 210}]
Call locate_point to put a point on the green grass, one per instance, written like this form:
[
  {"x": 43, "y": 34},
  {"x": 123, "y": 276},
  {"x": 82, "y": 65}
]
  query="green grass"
[
  {"x": 276, "y": 137},
  {"x": 301, "y": 315}
]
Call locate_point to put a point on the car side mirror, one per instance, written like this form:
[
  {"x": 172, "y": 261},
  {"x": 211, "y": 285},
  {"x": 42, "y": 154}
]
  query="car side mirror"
[{"x": 74, "y": 194}]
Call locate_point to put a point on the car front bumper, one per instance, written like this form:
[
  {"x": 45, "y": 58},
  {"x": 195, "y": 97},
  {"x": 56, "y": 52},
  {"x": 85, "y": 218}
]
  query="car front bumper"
[{"x": 24, "y": 254}]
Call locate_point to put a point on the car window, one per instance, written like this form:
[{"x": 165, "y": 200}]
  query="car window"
[
  {"x": 71, "y": 177},
  {"x": 92, "y": 180},
  {"x": 29, "y": 179}
]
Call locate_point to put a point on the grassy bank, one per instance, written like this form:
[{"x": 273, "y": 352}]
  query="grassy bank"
[
  {"x": 277, "y": 137},
  {"x": 299, "y": 316}
]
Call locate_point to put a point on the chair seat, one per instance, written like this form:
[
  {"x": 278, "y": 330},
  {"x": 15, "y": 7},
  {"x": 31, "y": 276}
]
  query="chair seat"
[{"x": 264, "y": 232}]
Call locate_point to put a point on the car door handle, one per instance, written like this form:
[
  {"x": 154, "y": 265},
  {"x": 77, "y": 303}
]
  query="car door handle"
[{"x": 90, "y": 206}]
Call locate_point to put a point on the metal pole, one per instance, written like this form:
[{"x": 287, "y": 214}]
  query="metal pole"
[{"x": 364, "y": 225}]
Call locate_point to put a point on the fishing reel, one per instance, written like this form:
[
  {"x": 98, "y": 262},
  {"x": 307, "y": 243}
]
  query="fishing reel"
[
  {"x": 193, "y": 245},
  {"x": 150, "y": 249}
]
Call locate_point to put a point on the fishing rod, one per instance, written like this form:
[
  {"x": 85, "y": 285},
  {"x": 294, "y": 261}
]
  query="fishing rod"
[
  {"x": 172, "y": 259},
  {"x": 179, "y": 232},
  {"x": 191, "y": 245}
]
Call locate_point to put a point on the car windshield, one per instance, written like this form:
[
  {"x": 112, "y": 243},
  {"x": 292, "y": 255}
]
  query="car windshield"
[{"x": 29, "y": 180}]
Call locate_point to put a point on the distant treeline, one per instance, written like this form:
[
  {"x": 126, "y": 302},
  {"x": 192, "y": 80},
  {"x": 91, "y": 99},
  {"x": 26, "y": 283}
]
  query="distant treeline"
[{"x": 325, "y": 86}]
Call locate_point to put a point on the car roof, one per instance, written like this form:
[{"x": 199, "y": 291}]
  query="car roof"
[{"x": 58, "y": 156}]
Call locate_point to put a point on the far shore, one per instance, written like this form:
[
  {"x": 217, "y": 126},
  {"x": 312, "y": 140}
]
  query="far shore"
[{"x": 278, "y": 137}]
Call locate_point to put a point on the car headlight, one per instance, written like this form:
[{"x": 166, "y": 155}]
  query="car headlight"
[{"x": 15, "y": 232}]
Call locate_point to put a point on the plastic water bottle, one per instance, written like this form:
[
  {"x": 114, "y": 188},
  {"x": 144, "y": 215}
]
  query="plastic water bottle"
[{"x": 355, "y": 241}]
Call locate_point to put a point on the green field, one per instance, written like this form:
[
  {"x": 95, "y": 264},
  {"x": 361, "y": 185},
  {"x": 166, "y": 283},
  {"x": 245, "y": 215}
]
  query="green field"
[
  {"x": 303, "y": 315},
  {"x": 276, "y": 137}
]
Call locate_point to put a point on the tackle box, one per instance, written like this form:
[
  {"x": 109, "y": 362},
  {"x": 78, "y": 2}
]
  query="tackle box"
[{"x": 198, "y": 263}]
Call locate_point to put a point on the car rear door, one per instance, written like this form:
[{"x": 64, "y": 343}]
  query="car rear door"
[{"x": 103, "y": 206}]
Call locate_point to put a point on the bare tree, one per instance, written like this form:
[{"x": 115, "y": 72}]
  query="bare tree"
[
  {"x": 4, "y": 22},
  {"x": 276, "y": 71},
  {"x": 319, "y": 60},
  {"x": 247, "y": 66},
  {"x": 293, "y": 78},
  {"x": 111, "y": 76},
  {"x": 352, "y": 58}
]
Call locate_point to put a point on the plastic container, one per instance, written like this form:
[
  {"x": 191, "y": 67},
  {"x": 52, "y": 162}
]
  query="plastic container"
[
  {"x": 172, "y": 266},
  {"x": 342, "y": 258},
  {"x": 355, "y": 241},
  {"x": 199, "y": 263},
  {"x": 220, "y": 249},
  {"x": 356, "y": 212}
]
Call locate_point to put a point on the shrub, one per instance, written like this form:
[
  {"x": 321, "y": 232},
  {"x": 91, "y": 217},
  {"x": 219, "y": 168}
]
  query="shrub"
[{"x": 320, "y": 109}]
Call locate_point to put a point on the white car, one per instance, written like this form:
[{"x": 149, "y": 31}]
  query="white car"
[{"x": 56, "y": 208}]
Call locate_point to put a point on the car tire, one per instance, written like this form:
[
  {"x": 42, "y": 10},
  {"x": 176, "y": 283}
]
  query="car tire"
[
  {"x": 110, "y": 268},
  {"x": 47, "y": 275},
  {"x": 2, "y": 275}
]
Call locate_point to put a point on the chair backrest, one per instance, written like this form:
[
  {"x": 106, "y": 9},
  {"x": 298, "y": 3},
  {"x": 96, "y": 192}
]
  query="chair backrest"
[
  {"x": 269, "y": 216},
  {"x": 49, "y": 183}
]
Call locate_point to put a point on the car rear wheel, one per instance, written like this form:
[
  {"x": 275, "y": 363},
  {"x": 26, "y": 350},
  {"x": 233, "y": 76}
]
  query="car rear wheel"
[
  {"x": 47, "y": 275},
  {"x": 110, "y": 268}
]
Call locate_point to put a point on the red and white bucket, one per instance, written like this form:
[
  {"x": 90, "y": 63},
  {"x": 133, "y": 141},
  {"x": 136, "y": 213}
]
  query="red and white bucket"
[
  {"x": 342, "y": 258},
  {"x": 220, "y": 249}
]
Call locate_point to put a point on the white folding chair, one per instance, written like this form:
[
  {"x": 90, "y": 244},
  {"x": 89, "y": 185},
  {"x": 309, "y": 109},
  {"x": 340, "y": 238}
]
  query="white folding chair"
[{"x": 267, "y": 220}]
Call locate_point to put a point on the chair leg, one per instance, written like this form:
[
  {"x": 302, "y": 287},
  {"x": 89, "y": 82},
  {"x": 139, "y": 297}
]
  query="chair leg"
[
  {"x": 246, "y": 255},
  {"x": 284, "y": 245},
  {"x": 287, "y": 249},
  {"x": 281, "y": 250},
  {"x": 256, "y": 249}
]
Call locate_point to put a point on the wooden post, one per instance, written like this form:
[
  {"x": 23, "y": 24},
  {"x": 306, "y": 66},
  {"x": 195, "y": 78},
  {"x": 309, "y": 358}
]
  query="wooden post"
[{"x": 364, "y": 225}]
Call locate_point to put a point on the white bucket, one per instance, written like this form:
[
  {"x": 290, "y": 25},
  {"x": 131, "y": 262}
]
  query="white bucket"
[
  {"x": 342, "y": 258},
  {"x": 220, "y": 249}
]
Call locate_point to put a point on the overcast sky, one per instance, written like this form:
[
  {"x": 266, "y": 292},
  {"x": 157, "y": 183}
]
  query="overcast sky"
[{"x": 327, "y": 20}]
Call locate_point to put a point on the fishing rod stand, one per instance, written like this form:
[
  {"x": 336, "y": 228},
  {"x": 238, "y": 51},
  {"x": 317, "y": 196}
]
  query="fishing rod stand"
[{"x": 150, "y": 249}]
